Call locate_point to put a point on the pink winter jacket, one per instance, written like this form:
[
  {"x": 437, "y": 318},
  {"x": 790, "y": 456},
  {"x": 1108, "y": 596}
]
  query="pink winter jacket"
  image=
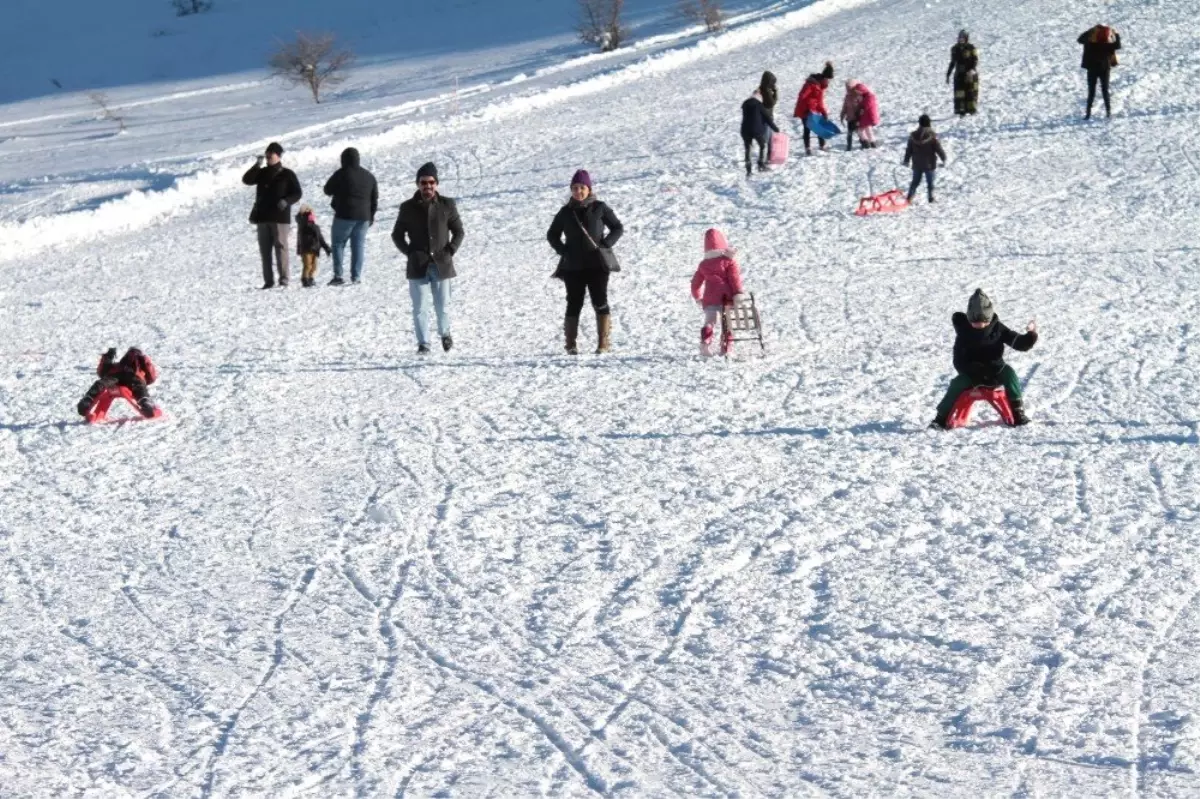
[
  {"x": 717, "y": 278},
  {"x": 868, "y": 107}
]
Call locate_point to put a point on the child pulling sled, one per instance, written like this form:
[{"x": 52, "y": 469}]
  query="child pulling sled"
[
  {"x": 135, "y": 371},
  {"x": 716, "y": 284},
  {"x": 979, "y": 342}
]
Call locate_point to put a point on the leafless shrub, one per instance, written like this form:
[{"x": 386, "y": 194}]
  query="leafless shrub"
[
  {"x": 107, "y": 113},
  {"x": 707, "y": 11},
  {"x": 313, "y": 61},
  {"x": 600, "y": 23},
  {"x": 184, "y": 8}
]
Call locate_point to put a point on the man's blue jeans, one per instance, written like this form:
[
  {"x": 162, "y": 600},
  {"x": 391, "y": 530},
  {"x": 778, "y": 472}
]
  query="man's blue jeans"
[
  {"x": 356, "y": 233},
  {"x": 440, "y": 291}
]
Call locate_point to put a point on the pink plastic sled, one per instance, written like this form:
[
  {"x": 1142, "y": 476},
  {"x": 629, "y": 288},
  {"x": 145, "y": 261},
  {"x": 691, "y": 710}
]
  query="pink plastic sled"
[
  {"x": 887, "y": 203},
  {"x": 99, "y": 412},
  {"x": 779, "y": 149},
  {"x": 995, "y": 396}
]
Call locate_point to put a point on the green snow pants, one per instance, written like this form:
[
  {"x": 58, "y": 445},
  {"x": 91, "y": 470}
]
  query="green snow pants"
[{"x": 1007, "y": 377}]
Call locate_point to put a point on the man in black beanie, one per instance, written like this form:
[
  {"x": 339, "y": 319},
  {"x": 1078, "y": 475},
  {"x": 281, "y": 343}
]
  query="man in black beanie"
[
  {"x": 276, "y": 191},
  {"x": 429, "y": 232},
  {"x": 979, "y": 341}
]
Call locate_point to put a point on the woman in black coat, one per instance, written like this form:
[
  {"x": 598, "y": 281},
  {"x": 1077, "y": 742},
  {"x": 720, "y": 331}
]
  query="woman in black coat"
[{"x": 578, "y": 235}]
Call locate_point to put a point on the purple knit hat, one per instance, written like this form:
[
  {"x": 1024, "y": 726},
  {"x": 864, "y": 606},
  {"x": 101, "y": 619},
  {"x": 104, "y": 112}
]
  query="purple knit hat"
[{"x": 582, "y": 178}]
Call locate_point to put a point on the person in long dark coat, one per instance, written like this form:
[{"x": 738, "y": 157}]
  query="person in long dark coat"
[{"x": 964, "y": 66}]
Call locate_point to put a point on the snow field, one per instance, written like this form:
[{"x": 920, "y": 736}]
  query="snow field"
[{"x": 338, "y": 570}]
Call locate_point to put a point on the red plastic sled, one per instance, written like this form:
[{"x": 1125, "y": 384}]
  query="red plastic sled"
[
  {"x": 887, "y": 203},
  {"x": 995, "y": 396},
  {"x": 99, "y": 412}
]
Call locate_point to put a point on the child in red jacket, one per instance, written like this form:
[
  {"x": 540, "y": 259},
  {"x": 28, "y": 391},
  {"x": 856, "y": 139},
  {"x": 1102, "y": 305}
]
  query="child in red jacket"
[
  {"x": 717, "y": 283},
  {"x": 812, "y": 101},
  {"x": 134, "y": 371}
]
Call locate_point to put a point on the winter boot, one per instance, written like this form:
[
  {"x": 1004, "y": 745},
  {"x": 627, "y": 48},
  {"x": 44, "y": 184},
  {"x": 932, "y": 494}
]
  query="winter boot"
[
  {"x": 571, "y": 329},
  {"x": 938, "y": 423},
  {"x": 726, "y": 342},
  {"x": 447, "y": 343},
  {"x": 706, "y": 340},
  {"x": 1018, "y": 412},
  {"x": 603, "y": 333},
  {"x": 89, "y": 399},
  {"x": 146, "y": 407}
]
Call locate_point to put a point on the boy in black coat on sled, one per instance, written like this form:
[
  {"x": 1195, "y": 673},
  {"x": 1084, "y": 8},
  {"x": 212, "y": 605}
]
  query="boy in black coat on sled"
[
  {"x": 134, "y": 371},
  {"x": 979, "y": 357}
]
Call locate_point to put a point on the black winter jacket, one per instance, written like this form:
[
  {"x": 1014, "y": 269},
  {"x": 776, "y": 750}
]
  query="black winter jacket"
[
  {"x": 768, "y": 87},
  {"x": 579, "y": 250},
  {"x": 309, "y": 238},
  {"x": 963, "y": 58},
  {"x": 354, "y": 190},
  {"x": 979, "y": 354},
  {"x": 428, "y": 232},
  {"x": 274, "y": 183},
  {"x": 1098, "y": 56},
  {"x": 756, "y": 120},
  {"x": 923, "y": 150}
]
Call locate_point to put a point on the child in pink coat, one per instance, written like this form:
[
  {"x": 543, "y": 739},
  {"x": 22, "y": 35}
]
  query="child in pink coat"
[
  {"x": 716, "y": 283},
  {"x": 861, "y": 101}
]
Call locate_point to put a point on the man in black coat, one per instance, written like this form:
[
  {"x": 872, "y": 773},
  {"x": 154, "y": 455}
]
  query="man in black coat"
[
  {"x": 979, "y": 342},
  {"x": 1100, "y": 46},
  {"x": 276, "y": 191},
  {"x": 429, "y": 232},
  {"x": 755, "y": 124},
  {"x": 355, "y": 196}
]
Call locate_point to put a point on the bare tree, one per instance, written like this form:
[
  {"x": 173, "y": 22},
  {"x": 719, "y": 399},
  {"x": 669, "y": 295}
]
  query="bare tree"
[
  {"x": 707, "y": 11},
  {"x": 311, "y": 61},
  {"x": 600, "y": 23},
  {"x": 184, "y": 8},
  {"x": 107, "y": 113}
]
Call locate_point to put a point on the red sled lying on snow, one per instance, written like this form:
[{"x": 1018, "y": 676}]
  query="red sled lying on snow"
[
  {"x": 887, "y": 203},
  {"x": 99, "y": 412},
  {"x": 995, "y": 396}
]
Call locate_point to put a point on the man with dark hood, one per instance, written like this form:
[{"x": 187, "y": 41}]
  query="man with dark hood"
[{"x": 355, "y": 196}]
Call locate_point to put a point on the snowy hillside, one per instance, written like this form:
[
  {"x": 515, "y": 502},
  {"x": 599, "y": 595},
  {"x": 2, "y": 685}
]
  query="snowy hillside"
[
  {"x": 336, "y": 569},
  {"x": 192, "y": 92}
]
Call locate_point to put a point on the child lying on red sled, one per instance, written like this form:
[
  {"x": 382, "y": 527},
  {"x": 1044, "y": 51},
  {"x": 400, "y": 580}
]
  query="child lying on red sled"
[
  {"x": 716, "y": 284},
  {"x": 134, "y": 371},
  {"x": 979, "y": 357}
]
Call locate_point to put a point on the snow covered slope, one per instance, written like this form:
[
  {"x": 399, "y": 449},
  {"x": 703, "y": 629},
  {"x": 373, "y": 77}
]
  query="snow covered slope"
[
  {"x": 338, "y": 570},
  {"x": 192, "y": 92}
]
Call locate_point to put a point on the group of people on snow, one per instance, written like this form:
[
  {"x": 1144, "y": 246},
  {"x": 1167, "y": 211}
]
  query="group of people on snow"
[{"x": 428, "y": 230}]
